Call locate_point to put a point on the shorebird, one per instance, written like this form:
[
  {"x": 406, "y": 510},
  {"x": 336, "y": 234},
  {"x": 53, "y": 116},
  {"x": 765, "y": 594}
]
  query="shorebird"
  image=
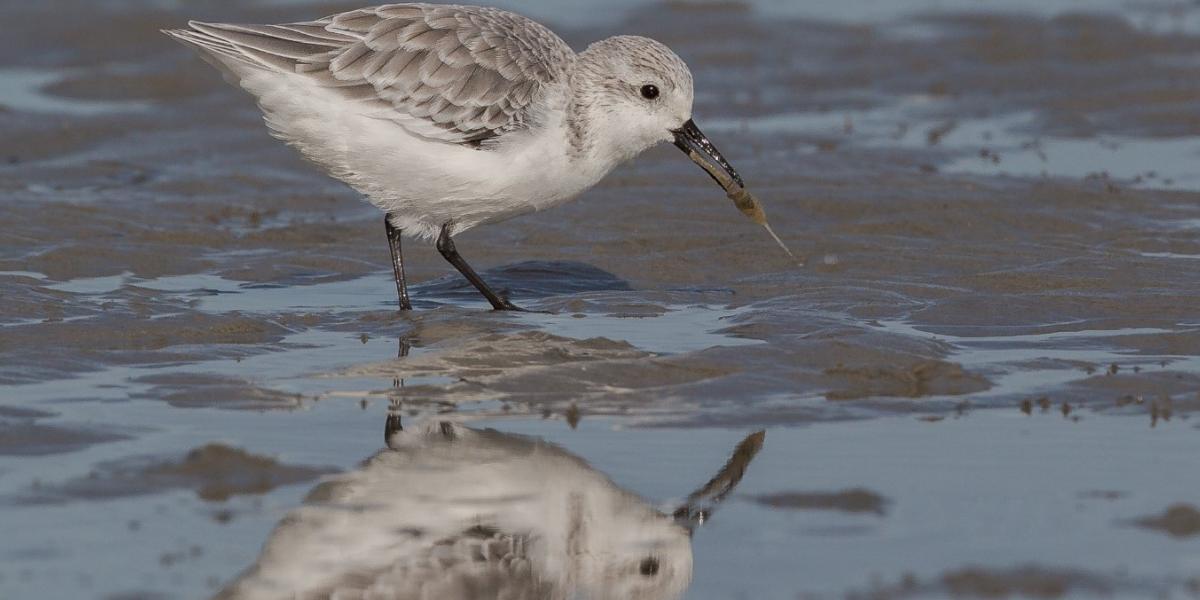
[
  {"x": 450, "y": 117},
  {"x": 457, "y": 513}
]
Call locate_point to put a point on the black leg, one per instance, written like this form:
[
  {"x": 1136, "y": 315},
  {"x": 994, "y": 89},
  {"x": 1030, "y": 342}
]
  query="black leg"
[
  {"x": 404, "y": 348},
  {"x": 392, "y": 425},
  {"x": 393, "y": 236},
  {"x": 445, "y": 245}
]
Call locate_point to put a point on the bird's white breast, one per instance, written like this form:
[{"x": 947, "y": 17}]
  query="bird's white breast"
[{"x": 426, "y": 183}]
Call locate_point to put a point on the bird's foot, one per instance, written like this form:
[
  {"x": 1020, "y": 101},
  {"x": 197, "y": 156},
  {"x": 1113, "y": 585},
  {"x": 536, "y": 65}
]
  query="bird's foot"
[{"x": 506, "y": 304}]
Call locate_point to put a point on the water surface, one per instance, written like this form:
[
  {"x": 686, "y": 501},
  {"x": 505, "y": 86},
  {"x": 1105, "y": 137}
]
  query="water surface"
[{"x": 982, "y": 384}]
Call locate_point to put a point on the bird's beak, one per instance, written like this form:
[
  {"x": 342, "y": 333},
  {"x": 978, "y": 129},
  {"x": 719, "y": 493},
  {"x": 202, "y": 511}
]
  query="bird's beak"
[
  {"x": 701, "y": 504},
  {"x": 693, "y": 142}
]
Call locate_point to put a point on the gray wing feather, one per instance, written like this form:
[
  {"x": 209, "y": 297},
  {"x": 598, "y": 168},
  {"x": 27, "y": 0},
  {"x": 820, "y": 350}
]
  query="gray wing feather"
[
  {"x": 457, "y": 74},
  {"x": 469, "y": 567}
]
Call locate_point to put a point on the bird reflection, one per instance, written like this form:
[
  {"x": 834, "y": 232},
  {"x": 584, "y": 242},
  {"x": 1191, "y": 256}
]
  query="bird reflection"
[{"x": 450, "y": 512}]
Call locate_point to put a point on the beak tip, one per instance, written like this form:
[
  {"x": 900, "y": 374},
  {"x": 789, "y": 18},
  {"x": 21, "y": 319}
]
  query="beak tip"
[{"x": 693, "y": 142}]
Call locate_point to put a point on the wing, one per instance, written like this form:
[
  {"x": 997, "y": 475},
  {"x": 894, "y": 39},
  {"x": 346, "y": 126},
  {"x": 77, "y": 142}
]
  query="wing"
[
  {"x": 471, "y": 567},
  {"x": 457, "y": 74}
]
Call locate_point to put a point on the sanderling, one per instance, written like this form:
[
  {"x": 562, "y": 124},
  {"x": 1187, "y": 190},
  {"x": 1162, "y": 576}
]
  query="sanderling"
[
  {"x": 449, "y": 117},
  {"x": 453, "y": 512}
]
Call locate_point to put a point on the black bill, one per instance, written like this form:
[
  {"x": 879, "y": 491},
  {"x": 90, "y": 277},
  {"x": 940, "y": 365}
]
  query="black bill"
[
  {"x": 701, "y": 504},
  {"x": 693, "y": 142}
]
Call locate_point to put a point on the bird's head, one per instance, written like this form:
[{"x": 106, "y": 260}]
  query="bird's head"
[{"x": 639, "y": 94}]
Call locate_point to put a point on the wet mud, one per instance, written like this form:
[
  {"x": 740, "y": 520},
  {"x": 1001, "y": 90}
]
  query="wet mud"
[
  {"x": 23, "y": 436},
  {"x": 215, "y": 472},
  {"x": 1019, "y": 582},
  {"x": 998, "y": 214},
  {"x": 851, "y": 501},
  {"x": 1179, "y": 521}
]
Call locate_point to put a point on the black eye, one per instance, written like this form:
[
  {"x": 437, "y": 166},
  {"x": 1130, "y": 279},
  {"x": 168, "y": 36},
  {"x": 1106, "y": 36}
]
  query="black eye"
[
  {"x": 649, "y": 566},
  {"x": 649, "y": 91}
]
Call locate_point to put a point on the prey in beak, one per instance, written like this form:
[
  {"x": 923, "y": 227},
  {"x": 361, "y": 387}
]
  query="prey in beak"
[{"x": 695, "y": 144}]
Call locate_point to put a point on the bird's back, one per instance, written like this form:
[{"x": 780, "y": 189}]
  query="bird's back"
[{"x": 457, "y": 74}]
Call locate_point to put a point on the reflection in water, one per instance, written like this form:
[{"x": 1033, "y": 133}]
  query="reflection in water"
[{"x": 450, "y": 512}]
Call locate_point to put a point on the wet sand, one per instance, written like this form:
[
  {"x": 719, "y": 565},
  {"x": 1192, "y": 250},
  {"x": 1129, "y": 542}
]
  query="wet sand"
[{"x": 998, "y": 214}]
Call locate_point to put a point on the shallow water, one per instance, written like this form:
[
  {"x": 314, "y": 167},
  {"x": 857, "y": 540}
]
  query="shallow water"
[{"x": 982, "y": 384}]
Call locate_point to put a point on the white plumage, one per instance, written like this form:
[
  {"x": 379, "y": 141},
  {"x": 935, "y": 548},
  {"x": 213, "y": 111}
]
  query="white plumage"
[
  {"x": 454, "y": 513},
  {"x": 449, "y": 117}
]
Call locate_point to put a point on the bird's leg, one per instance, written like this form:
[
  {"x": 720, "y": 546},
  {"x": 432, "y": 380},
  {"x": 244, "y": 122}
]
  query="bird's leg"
[
  {"x": 392, "y": 425},
  {"x": 393, "y": 235},
  {"x": 445, "y": 245},
  {"x": 403, "y": 352}
]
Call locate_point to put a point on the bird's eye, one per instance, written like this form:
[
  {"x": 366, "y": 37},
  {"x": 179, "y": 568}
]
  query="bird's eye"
[
  {"x": 649, "y": 567},
  {"x": 649, "y": 91}
]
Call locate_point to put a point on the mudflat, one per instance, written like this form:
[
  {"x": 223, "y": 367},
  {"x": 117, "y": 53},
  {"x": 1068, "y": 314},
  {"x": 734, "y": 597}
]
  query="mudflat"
[{"x": 982, "y": 382}]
